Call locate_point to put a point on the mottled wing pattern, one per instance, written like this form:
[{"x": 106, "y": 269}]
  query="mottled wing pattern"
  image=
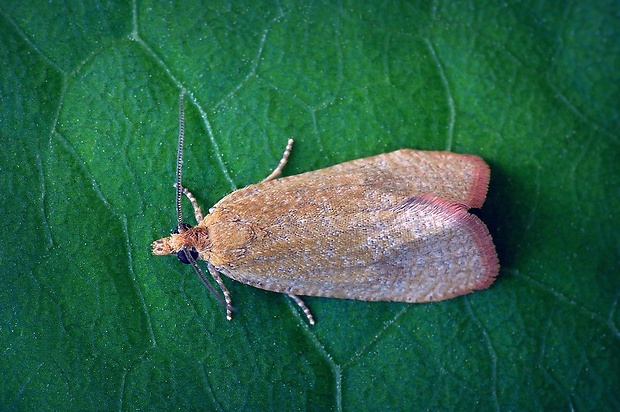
[
  {"x": 391, "y": 227},
  {"x": 462, "y": 178}
]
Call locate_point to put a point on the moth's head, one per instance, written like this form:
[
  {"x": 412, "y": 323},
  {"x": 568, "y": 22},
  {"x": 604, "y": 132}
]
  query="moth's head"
[{"x": 180, "y": 242}]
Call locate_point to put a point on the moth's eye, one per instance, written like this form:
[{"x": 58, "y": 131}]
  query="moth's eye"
[
  {"x": 184, "y": 226},
  {"x": 181, "y": 254}
]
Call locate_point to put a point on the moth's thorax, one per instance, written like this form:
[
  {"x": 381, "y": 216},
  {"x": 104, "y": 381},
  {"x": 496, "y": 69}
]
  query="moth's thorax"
[
  {"x": 220, "y": 239},
  {"x": 229, "y": 237}
]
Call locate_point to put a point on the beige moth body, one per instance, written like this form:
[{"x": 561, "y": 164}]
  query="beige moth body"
[{"x": 392, "y": 227}]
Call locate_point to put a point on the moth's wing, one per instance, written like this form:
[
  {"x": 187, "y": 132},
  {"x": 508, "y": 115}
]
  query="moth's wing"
[
  {"x": 401, "y": 174},
  {"x": 421, "y": 249}
]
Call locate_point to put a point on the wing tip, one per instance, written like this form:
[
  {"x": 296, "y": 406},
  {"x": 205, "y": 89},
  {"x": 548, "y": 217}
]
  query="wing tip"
[
  {"x": 486, "y": 250},
  {"x": 489, "y": 258},
  {"x": 480, "y": 234},
  {"x": 480, "y": 182}
]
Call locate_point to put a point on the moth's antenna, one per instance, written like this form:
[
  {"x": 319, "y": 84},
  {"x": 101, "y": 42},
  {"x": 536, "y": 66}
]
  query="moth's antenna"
[
  {"x": 180, "y": 162},
  {"x": 204, "y": 280}
]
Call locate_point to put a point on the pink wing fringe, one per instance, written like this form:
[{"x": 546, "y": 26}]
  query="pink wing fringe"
[{"x": 458, "y": 213}]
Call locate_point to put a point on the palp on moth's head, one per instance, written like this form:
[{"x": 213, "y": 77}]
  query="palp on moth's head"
[{"x": 184, "y": 239}]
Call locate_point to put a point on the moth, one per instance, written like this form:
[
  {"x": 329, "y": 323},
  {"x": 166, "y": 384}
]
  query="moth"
[{"x": 392, "y": 227}]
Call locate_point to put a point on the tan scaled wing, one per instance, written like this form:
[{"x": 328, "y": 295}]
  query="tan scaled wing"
[
  {"x": 462, "y": 178},
  {"x": 390, "y": 227}
]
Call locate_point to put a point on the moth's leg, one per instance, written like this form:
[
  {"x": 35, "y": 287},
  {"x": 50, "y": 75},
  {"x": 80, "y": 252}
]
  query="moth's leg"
[
  {"x": 197, "y": 211},
  {"x": 276, "y": 172},
  {"x": 303, "y": 307},
  {"x": 214, "y": 273}
]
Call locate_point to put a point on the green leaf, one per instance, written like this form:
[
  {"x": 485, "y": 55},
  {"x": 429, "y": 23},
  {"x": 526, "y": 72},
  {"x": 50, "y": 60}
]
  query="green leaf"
[{"x": 88, "y": 127}]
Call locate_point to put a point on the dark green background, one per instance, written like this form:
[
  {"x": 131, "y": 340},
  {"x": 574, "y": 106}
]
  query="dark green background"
[{"x": 88, "y": 126}]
